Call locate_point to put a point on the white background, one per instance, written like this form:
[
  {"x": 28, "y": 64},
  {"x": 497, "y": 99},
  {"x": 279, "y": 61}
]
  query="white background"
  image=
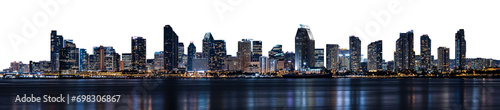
[{"x": 112, "y": 23}]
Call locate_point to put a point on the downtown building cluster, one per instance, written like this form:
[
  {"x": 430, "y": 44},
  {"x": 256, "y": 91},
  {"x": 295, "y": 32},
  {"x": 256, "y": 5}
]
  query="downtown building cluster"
[{"x": 66, "y": 57}]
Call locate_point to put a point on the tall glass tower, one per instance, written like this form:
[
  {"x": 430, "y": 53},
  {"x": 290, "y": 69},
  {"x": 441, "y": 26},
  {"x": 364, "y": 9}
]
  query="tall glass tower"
[{"x": 304, "y": 48}]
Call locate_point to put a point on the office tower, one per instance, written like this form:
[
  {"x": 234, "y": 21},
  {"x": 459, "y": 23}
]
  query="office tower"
[
  {"x": 83, "y": 60},
  {"x": 121, "y": 66},
  {"x": 207, "y": 41},
  {"x": 106, "y": 59},
  {"x": 200, "y": 63},
  {"x": 56, "y": 44},
  {"x": 170, "y": 48},
  {"x": 443, "y": 59},
  {"x": 127, "y": 61},
  {"x": 332, "y": 57},
  {"x": 404, "y": 56},
  {"x": 180, "y": 54},
  {"x": 158, "y": 61},
  {"x": 375, "y": 56},
  {"x": 256, "y": 50},
  {"x": 289, "y": 64},
  {"x": 273, "y": 64},
  {"x": 191, "y": 53},
  {"x": 418, "y": 64},
  {"x": 231, "y": 63},
  {"x": 149, "y": 64},
  {"x": 460, "y": 49},
  {"x": 345, "y": 59},
  {"x": 355, "y": 53},
  {"x": 138, "y": 53},
  {"x": 217, "y": 55},
  {"x": 68, "y": 57},
  {"x": 425, "y": 52},
  {"x": 319, "y": 57},
  {"x": 363, "y": 66},
  {"x": 92, "y": 64},
  {"x": 116, "y": 61},
  {"x": 244, "y": 53},
  {"x": 390, "y": 66},
  {"x": 264, "y": 64},
  {"x": 277, "y": 53},
  {"x": 304, "y": 48}
]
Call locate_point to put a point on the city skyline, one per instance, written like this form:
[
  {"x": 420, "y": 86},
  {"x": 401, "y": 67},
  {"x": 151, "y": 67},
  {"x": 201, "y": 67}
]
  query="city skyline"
[{"x": 107, "y": 29}]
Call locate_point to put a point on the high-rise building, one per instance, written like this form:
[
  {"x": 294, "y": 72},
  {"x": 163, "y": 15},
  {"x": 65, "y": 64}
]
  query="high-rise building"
[
  {"x": 304, "y": 48},
  {"x": 106, "y": 59},
  {"x": 332, "y": 57},
  {"x": 289, "y": 63},
  {"x": 170, "y": 48},
  {"x": 149, "y": 64},
  {"x": 207, "y": 41},
  {"x": 277, "y": 53},
  {"x": 191, "y": 56},
  {"x": 180, "y": 54},
  {"x": 92, "y": 64},
  {"x": 256, "y": 50},
  {"x": 217, "y": 55},
  {"x": 425, "y": 52},
  {"x": 404, "y": 56},
  {"x": 443, "y": 59},
  {"x": 68, "y": 57},
  {"x": 264, "y": 64},
  {"x": 460, "y": 49},
  {"x": 83, "y": 60},
  {"x": 231, "y": 63},
  {"x": 375, "y": 56},
  {"x": 355, "y": 53},
  {"x": 127, "y": 61},
  {"x": 56, "y": 44},
  {"x": 244, "y": 53},
  {"x": 319, "y": 57},
  {"x": 138, "y": 53},
  {"x": 345, "y": 59},
  {"x": 158, "y": 61}
]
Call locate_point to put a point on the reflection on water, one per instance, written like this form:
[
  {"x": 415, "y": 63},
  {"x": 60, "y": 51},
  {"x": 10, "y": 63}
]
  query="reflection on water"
[{"x": 201, "y": 94}]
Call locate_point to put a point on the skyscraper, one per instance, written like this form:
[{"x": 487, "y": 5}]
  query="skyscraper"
[
  {"x": 170, "y": 48},
  {"x": 404, "y": 56},
  {"x": 106, "y": 59},
  {"x": 217, "y": 55},
  {"x": 56, "y": 44},
  {"x": 180, "y": 54},
  {"x": 460, "y": 49},
  {"x": 158, "y": 61},
  {"x": 304, "y": 48},
  {"x": 264, "y": 64},
  {"x": 277, "y": 53},
  {"x": 83, "y": 60},
  {"x": 244, "y": 53},
  {"x": 355, "y": 53},
  {"x": 289, "y": 63},
  {"x": 68, "y": 57},
  {"x": 256, "y": 50},
  {"x": 127, "y": 61},
  {"x": 191, "y": 53},
  {"x": 332, "y": 57},
  {"x": 425, "y": 52},
  {"x": 138, "y": 53},
  {"x": 207, "y": 41},
  {"x": 344, "y": 59},
  {"x": 319, "y": 57},
  {"x": 443, "y": 59},
  {"x": 375, "y": 56}
]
